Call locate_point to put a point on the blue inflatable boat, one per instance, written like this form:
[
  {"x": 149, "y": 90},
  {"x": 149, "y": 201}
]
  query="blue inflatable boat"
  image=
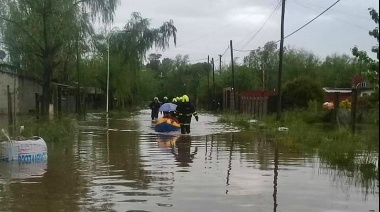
[{"x": 166, "y": 125}]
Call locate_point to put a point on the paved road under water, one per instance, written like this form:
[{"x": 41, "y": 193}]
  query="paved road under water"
[{"x": 129, "y": 167}]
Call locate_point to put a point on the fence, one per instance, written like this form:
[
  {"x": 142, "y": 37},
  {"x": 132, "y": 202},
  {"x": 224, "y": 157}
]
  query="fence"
[{"x": 256, "y": 103}]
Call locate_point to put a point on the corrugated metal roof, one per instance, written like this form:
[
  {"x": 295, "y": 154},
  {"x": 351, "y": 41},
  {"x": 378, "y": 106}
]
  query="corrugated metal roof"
[{"x": 337, "y": 90}]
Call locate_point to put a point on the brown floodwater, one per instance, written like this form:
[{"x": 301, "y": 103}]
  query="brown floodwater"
[{"x": 121, "y": 164}]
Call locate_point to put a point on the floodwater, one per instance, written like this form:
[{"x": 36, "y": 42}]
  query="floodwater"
[{"x": 129, "y": 167}]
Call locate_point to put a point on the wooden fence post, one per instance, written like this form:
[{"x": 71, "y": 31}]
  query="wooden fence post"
[
  {"x": 336, "y": 109},
  {"x": 353, "y": 108}
]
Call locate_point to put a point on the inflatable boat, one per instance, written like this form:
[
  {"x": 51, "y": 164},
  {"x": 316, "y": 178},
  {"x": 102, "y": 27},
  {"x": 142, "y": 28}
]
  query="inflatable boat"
[{"x": 166, "y": 125}]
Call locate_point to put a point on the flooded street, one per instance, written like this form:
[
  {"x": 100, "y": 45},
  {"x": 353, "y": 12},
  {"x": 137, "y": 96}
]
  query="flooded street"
[{"x": 123, "y": 165}]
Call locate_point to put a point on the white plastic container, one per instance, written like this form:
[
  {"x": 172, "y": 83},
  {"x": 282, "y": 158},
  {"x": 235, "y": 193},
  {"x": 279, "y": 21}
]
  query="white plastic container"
[{"x": 31, "y": 150}]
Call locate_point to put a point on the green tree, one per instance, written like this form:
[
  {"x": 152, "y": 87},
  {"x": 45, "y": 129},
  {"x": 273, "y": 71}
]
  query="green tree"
[
  {"x": 38, "y": 32},
  {"x": 298, "y": 92},
  {"x": 128, "y": 48},
  {"x": 154, "y": 63},
  {"x": 264, "y": 62},
  {"x": 370, "y": 67},
  {"x": 298, "y": 62},
  {"x": 337, "y": 71}
]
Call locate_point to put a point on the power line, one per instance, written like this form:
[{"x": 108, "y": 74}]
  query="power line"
[
  {"x": 266, "y": 21},
  {"x": 198, "y": 60},
  {"x": 311, "y": 20},
  {"x": 276, "y": 5},
  {"x": 225, "y": 51},
  {"x": 340, "y": 11},
  {"x": 296, "y": 29},
  {"x": 331, "y": 17}
]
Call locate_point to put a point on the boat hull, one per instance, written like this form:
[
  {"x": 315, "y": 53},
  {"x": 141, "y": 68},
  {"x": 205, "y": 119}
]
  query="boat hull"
[{"x": 166, "y": 125}]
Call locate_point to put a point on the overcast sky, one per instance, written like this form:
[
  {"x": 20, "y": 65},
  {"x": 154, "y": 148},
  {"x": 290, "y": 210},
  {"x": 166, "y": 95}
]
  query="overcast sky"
[{"x": 205, "y": 27}]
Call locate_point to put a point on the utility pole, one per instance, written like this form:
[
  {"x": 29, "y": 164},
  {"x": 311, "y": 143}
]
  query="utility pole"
[
  {"x": 280, "y": 63},
  {"x": 208, "y": 80},
  {"x": 264, "y": 77},
  {"x": 213, "y": 77},
  {"x": 220, "y": 64},
  {"x": 233, "y": 73},
  {"x": 78, "y": 99}
]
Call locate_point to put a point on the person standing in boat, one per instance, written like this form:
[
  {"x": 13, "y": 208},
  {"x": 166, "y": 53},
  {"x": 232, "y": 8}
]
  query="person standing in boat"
[
  {"x": 154, "y": 106},
  {"x": 184, "y": 111}
]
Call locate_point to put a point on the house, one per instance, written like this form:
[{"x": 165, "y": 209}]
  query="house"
[
  {"x": 344, "y": 93},
  {"x": 363, "y": 86},
  {"x": 21, "y": 89},
  {"x": 358, "y": 82}
]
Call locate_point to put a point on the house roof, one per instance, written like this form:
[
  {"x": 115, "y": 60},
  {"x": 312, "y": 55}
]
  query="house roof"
[{"x": 337, "y": 90}]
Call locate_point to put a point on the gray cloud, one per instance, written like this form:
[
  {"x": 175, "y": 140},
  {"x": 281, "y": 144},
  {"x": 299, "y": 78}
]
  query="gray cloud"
[{"x": 206, "y": 26}]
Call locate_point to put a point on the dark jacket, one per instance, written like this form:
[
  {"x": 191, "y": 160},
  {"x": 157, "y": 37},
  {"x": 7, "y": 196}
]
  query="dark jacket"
[
  {"x": 184, "y": 112},
  {"x": 155, "y": 105}
]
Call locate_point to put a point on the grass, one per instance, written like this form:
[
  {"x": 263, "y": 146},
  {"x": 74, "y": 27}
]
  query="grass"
[
  {"x": 338, "y": 148},
  {"x": 239, "y": 120},
  {"x": 56, "y": 130}
]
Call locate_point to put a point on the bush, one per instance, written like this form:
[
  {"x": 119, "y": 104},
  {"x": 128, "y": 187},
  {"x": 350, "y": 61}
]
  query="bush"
[
  {"x": 56, "y": 130},
  {"x": 299, "y": 92}
]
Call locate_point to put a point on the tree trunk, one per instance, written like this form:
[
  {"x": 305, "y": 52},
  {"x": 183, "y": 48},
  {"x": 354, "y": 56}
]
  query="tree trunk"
[{"x": 48, "y": 70}]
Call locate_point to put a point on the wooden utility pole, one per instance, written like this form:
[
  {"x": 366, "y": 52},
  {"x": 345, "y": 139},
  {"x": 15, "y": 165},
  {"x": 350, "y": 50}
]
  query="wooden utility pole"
[
  {"x": 208, "y": 81},
  {"x": 233, "y": 73},
  {"x": 78, "y": 104},
  {"x": 220, "y": 64},
  {"x": 280, "y": 63},
  {"x": 213, "y": 78}
]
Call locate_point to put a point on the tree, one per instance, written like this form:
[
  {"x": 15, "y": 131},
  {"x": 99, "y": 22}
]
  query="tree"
[
  {"x": 370, "y": 66},
  {"x": 154, "y": 63},
  {"x": 298, "y": 62},
  {"x": 128, "y": 49},
  {"x": 298, "y": 92},
  {"x": 39, "y": 31},
  {"x": 337, "y": 71},
  {"x": 263, "y": 61}
]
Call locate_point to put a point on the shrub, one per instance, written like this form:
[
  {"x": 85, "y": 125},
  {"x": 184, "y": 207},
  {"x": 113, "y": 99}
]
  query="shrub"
[{"x": 299, "y": 92}]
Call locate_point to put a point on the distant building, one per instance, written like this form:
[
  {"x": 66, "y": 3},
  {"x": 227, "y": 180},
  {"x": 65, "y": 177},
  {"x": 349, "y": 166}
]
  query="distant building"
[
  {"x": 344, "y": 93},
  {"x": 22, "y": 87},
  {"x": 358, "y": 81}
]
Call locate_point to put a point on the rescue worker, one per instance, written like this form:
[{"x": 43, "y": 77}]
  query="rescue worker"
[
  {"x": 174, "y": 101},
  {"x": 154, "y": 106},
  {"x": 184, "y": 111},
  {"x": 172, "y": 115},
  {"x": 165, "y": 113}
]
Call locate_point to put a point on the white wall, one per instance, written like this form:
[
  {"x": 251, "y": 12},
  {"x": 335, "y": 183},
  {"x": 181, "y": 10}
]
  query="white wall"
[{"x": 25, "y": 91}]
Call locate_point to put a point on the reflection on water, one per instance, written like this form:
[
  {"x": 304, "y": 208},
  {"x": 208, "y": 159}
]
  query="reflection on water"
[
  {"x": 15, "y": 170},
  {"x": 130, "y": 167}
]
